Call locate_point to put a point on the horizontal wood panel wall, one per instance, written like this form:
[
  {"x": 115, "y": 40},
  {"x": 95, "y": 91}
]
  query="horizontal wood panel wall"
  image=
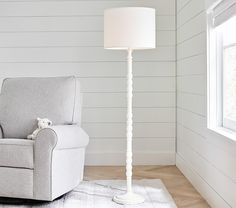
[
  {"x": 60, "y": 37},
  {"x": 206, "y": 158}
]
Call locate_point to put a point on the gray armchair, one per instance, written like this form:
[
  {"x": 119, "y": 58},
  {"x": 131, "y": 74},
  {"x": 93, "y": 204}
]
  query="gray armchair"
[{"x": 52, "y": 164}]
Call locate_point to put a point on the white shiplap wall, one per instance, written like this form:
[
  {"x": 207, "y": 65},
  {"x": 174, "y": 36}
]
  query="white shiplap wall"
[
  {"x": 206, "y": 158},
  {"x": 60, "y": 37}
]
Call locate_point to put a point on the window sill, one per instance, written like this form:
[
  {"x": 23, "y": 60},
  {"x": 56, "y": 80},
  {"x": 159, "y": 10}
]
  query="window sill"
[{"x": 230, "y": 134}]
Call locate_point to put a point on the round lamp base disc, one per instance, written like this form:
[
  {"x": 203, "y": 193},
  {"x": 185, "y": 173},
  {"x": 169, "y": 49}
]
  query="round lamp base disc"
[{"x": 129, "y": 199}]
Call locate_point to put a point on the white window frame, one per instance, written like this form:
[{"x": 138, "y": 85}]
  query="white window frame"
[{"x": 215, "y": 120}]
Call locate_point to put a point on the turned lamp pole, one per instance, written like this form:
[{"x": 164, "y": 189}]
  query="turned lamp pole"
[{"x": 129, "y": 28}]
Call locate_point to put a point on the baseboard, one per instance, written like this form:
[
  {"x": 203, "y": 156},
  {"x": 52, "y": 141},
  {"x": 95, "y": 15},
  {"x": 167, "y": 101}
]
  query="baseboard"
[
  {"x": 159, "y": 158},
  {"x": 211, "y": 196}
]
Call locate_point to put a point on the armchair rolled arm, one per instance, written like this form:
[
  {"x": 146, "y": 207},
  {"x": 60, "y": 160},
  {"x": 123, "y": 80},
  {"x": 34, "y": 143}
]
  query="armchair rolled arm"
[
  {"x": 59, "y": 138},
  {"x": 63, "y": 137}
]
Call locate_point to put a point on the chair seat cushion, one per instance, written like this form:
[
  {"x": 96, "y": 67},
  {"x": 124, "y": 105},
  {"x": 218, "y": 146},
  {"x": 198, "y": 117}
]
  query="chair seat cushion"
[{"x": 16, "y": 153}]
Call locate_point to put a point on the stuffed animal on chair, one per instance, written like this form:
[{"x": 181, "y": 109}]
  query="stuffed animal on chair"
[{"x": 42, "y": 124}]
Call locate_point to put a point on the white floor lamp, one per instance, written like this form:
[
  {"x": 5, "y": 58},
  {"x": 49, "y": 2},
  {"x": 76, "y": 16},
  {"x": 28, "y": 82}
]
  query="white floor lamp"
[{"x": 129, "y": 28}]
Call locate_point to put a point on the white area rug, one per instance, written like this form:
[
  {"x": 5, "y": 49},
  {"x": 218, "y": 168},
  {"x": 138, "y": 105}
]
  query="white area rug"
[{"x": 98, "y": 194}]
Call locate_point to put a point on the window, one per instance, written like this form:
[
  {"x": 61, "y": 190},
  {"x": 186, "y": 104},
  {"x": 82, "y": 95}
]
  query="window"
[
  {"x": 222, "y": 68},
  {"x": 228, "y": 31}
]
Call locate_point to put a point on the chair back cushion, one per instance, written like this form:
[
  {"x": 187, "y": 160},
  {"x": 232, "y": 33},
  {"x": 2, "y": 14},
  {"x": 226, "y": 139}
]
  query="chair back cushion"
[{"x": 22, "y": 100}]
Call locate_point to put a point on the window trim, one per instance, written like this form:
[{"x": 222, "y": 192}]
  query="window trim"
[
  {"x": 230, "y": 124},
  {"x": 215, "y": 120}
]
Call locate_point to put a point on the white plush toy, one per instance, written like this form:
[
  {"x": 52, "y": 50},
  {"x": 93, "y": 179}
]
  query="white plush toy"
[{"x": 42, "y": 124}]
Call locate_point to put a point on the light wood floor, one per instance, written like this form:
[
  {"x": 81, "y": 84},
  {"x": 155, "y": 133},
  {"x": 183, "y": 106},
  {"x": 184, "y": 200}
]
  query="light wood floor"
[{"x": 179, "y": 187}]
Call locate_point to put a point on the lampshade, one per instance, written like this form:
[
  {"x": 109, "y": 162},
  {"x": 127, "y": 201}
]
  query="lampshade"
[{"x": 129, "y": 28}]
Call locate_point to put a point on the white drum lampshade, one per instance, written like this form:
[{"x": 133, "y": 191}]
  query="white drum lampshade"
[{"x": 129, "y": 28}]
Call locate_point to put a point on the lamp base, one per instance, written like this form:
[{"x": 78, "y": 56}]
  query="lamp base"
[{"x": 128, "y": 199}]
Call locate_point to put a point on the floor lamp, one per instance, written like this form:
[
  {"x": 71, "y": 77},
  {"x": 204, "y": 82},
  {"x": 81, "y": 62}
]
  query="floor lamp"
[{"x": 129, "y": 28}]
